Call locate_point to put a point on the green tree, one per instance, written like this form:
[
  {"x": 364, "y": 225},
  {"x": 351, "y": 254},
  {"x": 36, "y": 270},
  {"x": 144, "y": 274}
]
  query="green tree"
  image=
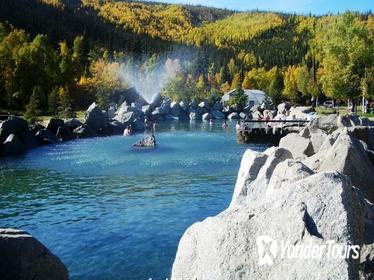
[
  {"x": 223, "y": 76},
  {"x": 290, "y": 84},
  {"x": 53, "y": 102},
  {"x": 32, "y": 108},
  {"x": 347, "y": 53},
  {"x": 246, "y": 82},
  {"x": 201, "y": 84},
  {"x": 80, "y": 56},
  {"x": 236, "y": 81},
  {"x": 276, "y": 85},
  {"x": 239, "y": 99},
  {"x": 179, "y": 90}
]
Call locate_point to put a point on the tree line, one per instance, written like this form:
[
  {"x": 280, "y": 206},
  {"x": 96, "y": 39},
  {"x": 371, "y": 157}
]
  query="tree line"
[{"x": 290, "y": 57}]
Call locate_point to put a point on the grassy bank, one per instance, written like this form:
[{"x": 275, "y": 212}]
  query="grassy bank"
[{"x": 342, "y": 111}]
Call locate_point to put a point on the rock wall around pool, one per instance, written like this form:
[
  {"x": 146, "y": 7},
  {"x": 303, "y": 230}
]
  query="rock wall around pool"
[{"x": 315, "y": 190}]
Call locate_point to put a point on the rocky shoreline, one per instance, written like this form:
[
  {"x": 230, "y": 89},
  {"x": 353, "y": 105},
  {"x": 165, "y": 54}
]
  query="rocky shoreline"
[
  {"x": 316, "y": 187},
  {"x": 16, "y": 136}
]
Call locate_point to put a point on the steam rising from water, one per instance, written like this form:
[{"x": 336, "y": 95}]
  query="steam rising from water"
[{"x": 149, "y": 80}]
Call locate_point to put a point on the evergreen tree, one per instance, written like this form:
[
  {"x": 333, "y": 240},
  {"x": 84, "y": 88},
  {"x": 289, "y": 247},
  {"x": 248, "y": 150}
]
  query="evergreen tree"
[
  {"x": 80, "y": 56},
  {"x": 236, "y": 81},
  {"x": 246, "y": 82},
  {"x": 53, "y": 102},
  {"x": 290, "y": 84},
  {"x": 32, "y": 108}
]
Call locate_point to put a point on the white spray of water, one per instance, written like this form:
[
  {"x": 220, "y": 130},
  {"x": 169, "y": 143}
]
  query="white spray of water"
[{"x": 149, "y": 81}]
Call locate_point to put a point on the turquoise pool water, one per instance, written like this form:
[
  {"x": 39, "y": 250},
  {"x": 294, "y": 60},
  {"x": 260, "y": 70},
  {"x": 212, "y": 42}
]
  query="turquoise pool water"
[{"x": 111, "y": 212}]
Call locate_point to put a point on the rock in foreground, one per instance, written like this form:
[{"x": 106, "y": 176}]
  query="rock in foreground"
[
  {"x": 24, "y": 257},
  {"x": 303, "y": 194}
]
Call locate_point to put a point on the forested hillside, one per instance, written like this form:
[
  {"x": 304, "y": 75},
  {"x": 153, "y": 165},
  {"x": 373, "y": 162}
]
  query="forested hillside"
[{"x": 289, "y": 56}]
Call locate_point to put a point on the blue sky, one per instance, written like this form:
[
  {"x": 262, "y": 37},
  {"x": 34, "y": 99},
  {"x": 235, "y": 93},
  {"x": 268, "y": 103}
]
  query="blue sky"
[{"x": 299, "y": 6}]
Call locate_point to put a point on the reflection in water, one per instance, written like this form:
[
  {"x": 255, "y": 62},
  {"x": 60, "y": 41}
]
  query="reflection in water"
[{"x": 110, "y": 212}]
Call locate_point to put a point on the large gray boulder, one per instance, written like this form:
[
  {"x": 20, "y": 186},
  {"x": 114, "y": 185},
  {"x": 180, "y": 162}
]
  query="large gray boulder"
[
  {"x": 204, "y": 104},
  {"x": 72, "y": 123},
  {"x": 184, "y": 106},
  {"x": 175, "y": 109},
  {"x": 207, "y": 117},
  {"x": 250, "y": 165},
  {"x": 229, "y": 245},
  {"x": 45, "y": 136},
  {"x": 217, "y": 106},
  {"x": 327, "y": 123},
  {"x": 116, "y": 127},
  {"x": 243, "y": 115},
  {"x": 53, "y": 124},
  {"x": 165, "y": 107},
  {"x": 192, "y": 105},
  {"x": 13, "y": 146},
  {"x": 147, "y": 109},
  {"x": 138, "y": 125},
  {"x": 299, "y": 146},
  {"x": 218, "y": 115},
  {"x": 95, "y": 118},
  {"x": 317, "y": 137},
  {"x": 24, "y": 257},
  {"x": 29, "y": 139},
  {"x": 349, "y": 157},
  {"x": 301, "y": 112},
  {"x": 194, "y": 115},
  {"x": 157, "y": 114},
  {"x": 233, "y": 116},
  {"x": 126, "y": 118},
  {"x": 283, "y": 107},
  {"x": 64, "y": 133},
  {"x": 84, "y": 131},
  {"x": 126, "y": 114},
  {"x": 363, "y": 133},
  {"x": 14, "y": 125}
]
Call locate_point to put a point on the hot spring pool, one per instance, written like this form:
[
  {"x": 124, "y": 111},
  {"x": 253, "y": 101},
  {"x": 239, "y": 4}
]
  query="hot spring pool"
[{"x": 110, "y": 212}]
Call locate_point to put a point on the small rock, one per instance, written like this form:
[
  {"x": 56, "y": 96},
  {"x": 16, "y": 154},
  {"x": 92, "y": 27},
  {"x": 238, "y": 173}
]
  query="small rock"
[{"x": 148, "y": 141}]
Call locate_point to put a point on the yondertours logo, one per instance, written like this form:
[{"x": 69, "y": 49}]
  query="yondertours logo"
[{"x": 270, "y": 249}]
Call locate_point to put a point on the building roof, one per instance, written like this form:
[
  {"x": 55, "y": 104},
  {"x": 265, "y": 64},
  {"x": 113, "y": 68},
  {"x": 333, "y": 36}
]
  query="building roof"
[{"x": 252, "y": 94}]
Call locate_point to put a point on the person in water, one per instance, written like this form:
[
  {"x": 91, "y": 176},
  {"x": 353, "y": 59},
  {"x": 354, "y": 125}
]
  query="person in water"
[
  {"x": 127, "y": 131},
  {"x": 238, "y": 126},
  {"x": 224, "y": 125}
]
